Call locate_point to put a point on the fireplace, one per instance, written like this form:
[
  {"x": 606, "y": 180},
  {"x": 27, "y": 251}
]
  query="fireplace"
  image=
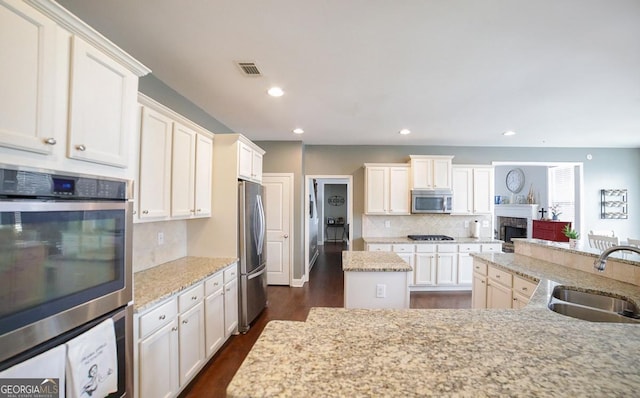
[
  {"x": 509, "y": 228},
  {"x": 514, "y": 221}
]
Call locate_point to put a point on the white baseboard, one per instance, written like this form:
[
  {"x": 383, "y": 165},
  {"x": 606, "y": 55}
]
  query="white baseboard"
[
  {"x": 439, "y": 288},
  {"x": 298, "y": 282},
  {"x": 313, "y": 260}
]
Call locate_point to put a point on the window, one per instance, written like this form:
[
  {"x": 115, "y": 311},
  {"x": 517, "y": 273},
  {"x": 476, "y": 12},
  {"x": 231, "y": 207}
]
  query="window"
[{"x": 562, "y": 192}]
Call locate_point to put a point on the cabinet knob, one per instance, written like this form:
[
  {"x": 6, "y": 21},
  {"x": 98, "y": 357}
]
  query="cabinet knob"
[
  {"x": 50, "y": 141},
  {"x": 135, "y": 212},
  {"x": 198, "y": 210},
  {"x": 145, "y": 211},
  {"x": 228, "y": 289},
  {"x": 215, "y": 284},
  {"x": 81, "y": 148},
  {"x": 285, "y": 236},
  {"x": 185, "y": 321},
  {"x": 162, "y": 317}
]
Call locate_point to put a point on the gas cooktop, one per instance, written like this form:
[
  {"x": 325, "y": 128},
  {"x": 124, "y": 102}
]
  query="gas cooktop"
[{"x": 429, "y": 237}]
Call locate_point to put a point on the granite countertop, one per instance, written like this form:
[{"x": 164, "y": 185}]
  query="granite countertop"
[
  {"x": 474, "y": 352},
  {"x": 155, "y": 284},
  {"x": 404, "y": 239},
  {"x": 373, "y": 262}
]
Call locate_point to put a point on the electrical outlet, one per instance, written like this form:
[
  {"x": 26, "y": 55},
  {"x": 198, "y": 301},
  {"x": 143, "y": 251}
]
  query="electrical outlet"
[
  {"x": 466, "y": 224},
  {"x": 387, "y": 224},
  {"x": 161, "y": 238},
  {"x": 381, "y": 291}
]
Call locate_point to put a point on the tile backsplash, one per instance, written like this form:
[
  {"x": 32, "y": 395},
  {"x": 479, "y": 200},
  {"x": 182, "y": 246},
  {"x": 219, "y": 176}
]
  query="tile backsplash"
[
  {"x": 147, "y": 252},
  {"x": 432, "y": 224}
]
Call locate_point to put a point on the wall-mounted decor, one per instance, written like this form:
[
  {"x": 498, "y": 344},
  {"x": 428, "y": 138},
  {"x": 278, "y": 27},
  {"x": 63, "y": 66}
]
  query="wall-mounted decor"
[
  {"x": 613, "y": 204},
  {"x": 336, "y": 200},
  {"x": 515, "y": 180}
]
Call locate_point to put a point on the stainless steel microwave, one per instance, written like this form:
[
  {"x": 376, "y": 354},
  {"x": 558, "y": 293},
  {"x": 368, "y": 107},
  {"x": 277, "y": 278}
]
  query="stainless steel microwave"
[{"x": 431, "y": 201}]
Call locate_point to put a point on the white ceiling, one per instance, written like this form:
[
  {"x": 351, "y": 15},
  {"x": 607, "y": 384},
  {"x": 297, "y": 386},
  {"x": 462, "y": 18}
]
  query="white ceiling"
[{"x": 455, "y": 72}]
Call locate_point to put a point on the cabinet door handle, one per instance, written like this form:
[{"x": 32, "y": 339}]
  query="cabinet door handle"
[
  {"x": 135, "y": 212},
  {"x": 145, "y": 211},
  {"x": 185, "y": 321},
  {"x": 194, "y": 297},
  {"x": 215, "y": 284},
  {"x": 228, "y": 289},
  {"x": 162, "y": 317},
  {"x": 81, "y": 148},
  {"x": 198, "y": 210},
  {"x": 174, "y": 329},
  {"x": 498, "y": 276},
  {"x": 50, "y": 141},
  {"x": 525, "y": 289}
]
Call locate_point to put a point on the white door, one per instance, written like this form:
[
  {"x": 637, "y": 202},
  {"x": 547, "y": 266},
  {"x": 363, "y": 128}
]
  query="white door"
[{"x": 278, "y": 190}]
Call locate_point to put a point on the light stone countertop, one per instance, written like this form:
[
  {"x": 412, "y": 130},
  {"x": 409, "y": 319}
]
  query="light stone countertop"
[
  {"x": 373, "y": 262},
  {"x": 156, "y": 284},
  {"x": 404, "y": 239},
  {"x": 480, "y": 353}
]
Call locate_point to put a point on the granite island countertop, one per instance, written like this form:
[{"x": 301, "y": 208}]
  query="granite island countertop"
[
  {"x": 373, "y": 262},
  {"x": 481, "y": 352},
  {"x": 153, "y": 285},
  {"x": 404, "y": 239}
]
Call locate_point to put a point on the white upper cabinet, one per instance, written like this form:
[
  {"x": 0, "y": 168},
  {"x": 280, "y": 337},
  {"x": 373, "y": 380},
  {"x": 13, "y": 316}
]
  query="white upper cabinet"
[
  {"x": 387, "y": 189},
  {"x": 154, "y": 198},
  {"x": 67, "y": 94},
  {"x": 473, "y": 188},
  {"x": 430, "y": 172},
  {"x": 175, "y": 166},
  {"x": 27, "y": 81},
  {"x": 249, "y": 162},
  {"x": 102, "y": 106}
]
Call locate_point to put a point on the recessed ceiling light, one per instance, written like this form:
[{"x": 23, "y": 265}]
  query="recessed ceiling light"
[
  {"x": 298, "y": 131},
  {"x": 509, "y": 133},
  {"x": 405, "y": 131},
  {"x": 275, "y": 92}
]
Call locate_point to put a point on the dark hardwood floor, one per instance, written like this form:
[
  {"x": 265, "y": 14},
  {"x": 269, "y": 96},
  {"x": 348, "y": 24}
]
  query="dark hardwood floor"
[{"x": 325, "y": 289}]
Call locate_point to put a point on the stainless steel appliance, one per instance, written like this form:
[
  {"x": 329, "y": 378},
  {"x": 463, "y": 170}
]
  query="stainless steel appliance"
[
  {"x": 66, "y": 265},
  {"x": 252, "y": 253},
  {"x": 431, "y": 201},
  {"x": 430, "y": 237}
]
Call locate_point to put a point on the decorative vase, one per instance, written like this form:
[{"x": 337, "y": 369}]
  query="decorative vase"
[
  {"x": 554, "y": 217},
  {"x": 573, "y": 243}
]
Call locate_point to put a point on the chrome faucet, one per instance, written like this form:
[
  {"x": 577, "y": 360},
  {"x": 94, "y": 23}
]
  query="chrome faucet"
[{"x": 601, "y": 262}]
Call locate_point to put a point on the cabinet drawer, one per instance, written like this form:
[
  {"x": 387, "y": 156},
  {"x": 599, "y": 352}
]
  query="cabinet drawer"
[
  {"x": 403, "y": 248},
  {"x": 480, "y": 268},
  {"x": 158, "y": 317},
  {"x": 425, "y": 248},
  {"x": 378, "y": 247},
  {"x": 469, "y": 248},
  {"x": 524, "y": 286},
  {"x": 492, "y": 247},
  {"x": 500, "y": 276},
  {"x": 213, "y": 284},
  {"x": 447, "y": 248},
  {"x": 191, "y": 297},
  {"x": 231, "y": 273}
]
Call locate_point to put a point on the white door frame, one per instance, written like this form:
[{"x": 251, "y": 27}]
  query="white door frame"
[
  {"x": 290, "y": 176},
  {"x": 307, "y": 192},
  {"x": 579, "y": 177}
]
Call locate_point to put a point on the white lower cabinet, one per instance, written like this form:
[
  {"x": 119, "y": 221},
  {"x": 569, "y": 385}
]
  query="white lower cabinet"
[
  {"x": 175, "y": 338},
  {"x": 231, "y": 300},
  {"x": 191, "y": 342},
  {"x": 498, "y": 288},
  {"x": 447, "y": 265},
  {"x": 425, "y": 268}
]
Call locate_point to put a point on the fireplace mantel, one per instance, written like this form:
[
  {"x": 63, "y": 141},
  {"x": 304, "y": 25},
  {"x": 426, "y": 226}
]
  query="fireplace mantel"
[{"x": 530, "y": 212}]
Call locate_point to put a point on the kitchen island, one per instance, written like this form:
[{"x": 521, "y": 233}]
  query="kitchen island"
[
  {"x": 375, "y": 280},
  {"x": 528, "y": 352}
]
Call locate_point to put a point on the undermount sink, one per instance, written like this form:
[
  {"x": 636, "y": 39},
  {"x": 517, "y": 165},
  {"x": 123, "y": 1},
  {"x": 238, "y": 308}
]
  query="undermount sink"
[{"x": 592, "y": 307}]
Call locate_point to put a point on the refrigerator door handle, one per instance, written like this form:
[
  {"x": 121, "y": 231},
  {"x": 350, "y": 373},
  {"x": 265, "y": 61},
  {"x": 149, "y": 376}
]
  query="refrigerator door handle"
[
  {"x": 257, "y": 274},
  {"x": 263, "y": 223}
]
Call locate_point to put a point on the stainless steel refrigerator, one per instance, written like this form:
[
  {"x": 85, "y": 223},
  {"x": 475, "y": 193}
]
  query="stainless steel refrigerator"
[{"x": 253, "y": 261}]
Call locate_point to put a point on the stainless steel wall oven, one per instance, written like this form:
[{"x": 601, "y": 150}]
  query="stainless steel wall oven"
[{"x": 65, "y": 262}]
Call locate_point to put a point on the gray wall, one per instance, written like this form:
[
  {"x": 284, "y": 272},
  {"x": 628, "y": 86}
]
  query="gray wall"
[
  {"x": 535, "y": 178},
  {"x": 288, "y": 157},
  {"x": 154, "y": 88},
  {"x": 609, "y": 168}
]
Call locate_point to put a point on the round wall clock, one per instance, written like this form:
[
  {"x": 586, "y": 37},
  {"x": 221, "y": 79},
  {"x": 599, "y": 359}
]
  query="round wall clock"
[{"x": 515, "y": 180}]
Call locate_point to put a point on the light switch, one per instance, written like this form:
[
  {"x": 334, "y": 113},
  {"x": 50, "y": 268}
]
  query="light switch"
[
  {"x": 381, "y": 290},
  {"x": 161, "y": 238},
  {"x": 387, "y": 224}
]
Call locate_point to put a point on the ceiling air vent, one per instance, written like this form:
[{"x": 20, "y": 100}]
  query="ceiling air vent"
[{"x": 249, "y": 68}]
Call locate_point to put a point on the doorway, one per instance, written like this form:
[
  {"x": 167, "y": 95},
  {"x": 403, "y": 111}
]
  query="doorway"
[{"x": 329, "y": 214}]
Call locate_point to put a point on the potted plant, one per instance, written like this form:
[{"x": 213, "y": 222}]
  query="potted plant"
[
  {"x": 555, "y": 211},
  {"x": 572, "y": 234}
]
